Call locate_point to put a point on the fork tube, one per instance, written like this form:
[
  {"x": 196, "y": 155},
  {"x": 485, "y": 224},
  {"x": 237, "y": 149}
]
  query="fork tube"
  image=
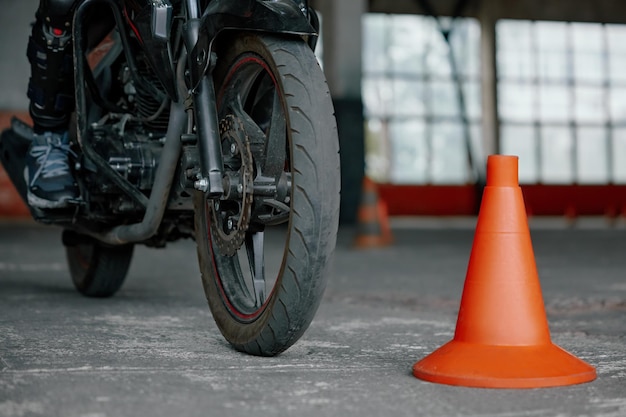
[
  {"x": 193, "y": 9},
  {"x": 206, "y": 119},
  {"x": 209, "y": 143}
]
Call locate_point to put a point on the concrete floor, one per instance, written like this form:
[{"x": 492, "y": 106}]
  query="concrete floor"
[{"x": 154, "y": 351}]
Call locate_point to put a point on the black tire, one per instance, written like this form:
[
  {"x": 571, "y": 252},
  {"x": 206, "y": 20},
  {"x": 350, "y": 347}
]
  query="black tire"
[
  {"x": 97, "y": 270},
  {"x": 258, "y": 66}
]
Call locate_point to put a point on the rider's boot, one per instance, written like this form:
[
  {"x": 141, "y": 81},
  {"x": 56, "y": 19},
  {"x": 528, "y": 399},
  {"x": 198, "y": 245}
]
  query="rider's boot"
[{"x": 48, "y": 173}]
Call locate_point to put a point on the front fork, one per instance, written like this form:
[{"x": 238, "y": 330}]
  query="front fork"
[
  {"x": 205, "y": 115},
  {"x": 205, "y": 106}
]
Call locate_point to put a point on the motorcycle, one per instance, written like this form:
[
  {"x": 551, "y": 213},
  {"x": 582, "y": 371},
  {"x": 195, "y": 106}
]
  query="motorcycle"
[{"x": 208, "y": 120}]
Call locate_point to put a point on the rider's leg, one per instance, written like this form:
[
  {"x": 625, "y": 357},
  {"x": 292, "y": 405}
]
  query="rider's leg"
[{"x": 51, "y": 93}]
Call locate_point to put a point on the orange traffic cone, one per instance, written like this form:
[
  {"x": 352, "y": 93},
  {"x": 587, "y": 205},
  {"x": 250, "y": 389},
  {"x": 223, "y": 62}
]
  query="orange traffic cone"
[
  {"x": 373, "y": 228},
  {"x": 502, "y": 338}
]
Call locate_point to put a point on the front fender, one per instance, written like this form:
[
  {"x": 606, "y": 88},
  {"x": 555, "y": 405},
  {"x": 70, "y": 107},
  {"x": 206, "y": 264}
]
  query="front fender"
[{"x": 271, "y": 16}]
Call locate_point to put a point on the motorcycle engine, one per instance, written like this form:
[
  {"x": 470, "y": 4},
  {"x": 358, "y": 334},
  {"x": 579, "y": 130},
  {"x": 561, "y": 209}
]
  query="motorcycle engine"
[
  {"x": 131, "y": 142},
  {"x": 146, "y": 106},
  {"x": 133, "y": 155}
]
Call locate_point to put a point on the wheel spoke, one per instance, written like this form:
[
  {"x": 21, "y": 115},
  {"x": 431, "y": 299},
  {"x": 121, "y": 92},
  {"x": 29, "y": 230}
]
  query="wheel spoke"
[
  {"x": 254, "y": 132},
  {"x": 265, "y": 125},
  {"x": 255, "y": 246},
  {"x": 275, "y": 145}
]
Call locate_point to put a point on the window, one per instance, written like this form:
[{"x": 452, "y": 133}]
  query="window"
[
  {"x": 562, "y": 100},
  {"x": 415, "y": 131}
]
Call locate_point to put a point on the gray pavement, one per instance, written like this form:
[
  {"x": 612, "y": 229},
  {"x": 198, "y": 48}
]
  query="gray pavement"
[{"x": 153, "y": 349}]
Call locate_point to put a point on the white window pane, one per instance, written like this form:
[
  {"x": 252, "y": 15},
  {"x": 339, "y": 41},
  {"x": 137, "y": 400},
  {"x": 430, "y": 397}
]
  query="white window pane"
[
  {"x": 589, "y": 67},
  {"x": 516, "y": 102},
  {"x": 586, "y": 37},
  {"x": 465, "y": 39},
  {"x": 592, "y": 155},
  {"x": 408, "y": 98},
  {"x": 377, "y": 95},
  {"x": 553, "y": 66},
  {"x": 551, "y": 43},
  {"x": 556, "y": 155},
  {"x": 617, "y": 102},
  {"x": 514, "y": 35},
  {"x": 437, "y": 54},
  {"x": 408, "y": 43},
  {"x": 616, "y": 38},
  {"x": 443, "y": 99},
  {"x": 522, "y": 142},
  {"x": 619, "y": 156},
  {"x": 617, "y": 67},
  {"x": 438, "y": 65},
  {"x": 375, "y": 37},
  {"x": 449, "y": 154},
  {"x": 590, "y": 104},
  {"x": 514, "y": 57},
  {"x": 554, "y": 103},
  {"x": 479, "y": 156},
  {"x": 516, "y": 65},
  {"x": 472, "y": 100},
  {"x": 409, "y": 152},
  {"x": 551, "y": 36},
  {"x": 377, "y": 149}
]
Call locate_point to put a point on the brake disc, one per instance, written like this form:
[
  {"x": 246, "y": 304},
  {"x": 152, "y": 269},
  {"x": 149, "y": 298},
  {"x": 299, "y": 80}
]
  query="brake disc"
[{"x": 228, "y": 227}]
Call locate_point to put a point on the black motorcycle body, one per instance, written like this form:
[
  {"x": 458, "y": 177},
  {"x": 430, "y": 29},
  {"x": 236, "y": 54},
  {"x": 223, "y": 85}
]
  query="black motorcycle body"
[{"x": 207, "y": 120}]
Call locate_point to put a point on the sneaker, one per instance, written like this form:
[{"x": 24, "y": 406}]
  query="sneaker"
[{"x": 47, "y": 174}]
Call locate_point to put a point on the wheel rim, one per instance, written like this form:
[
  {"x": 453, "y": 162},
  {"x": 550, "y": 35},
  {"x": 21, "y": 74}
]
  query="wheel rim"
[
  {"x": 255, "y": 147},
  {"x": 84, "y": 255}
]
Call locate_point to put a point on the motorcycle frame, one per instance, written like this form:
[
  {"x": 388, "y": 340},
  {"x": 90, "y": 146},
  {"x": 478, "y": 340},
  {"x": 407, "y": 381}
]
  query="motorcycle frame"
[{"x": 200, "y": 32}]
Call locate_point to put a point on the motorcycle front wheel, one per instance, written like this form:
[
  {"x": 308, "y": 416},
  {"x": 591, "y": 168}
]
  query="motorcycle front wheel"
[{"x": 265, "y": 249}]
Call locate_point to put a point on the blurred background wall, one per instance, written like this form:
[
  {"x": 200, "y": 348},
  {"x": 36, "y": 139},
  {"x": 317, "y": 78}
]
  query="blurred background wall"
[{"x": 425, "y": 89}]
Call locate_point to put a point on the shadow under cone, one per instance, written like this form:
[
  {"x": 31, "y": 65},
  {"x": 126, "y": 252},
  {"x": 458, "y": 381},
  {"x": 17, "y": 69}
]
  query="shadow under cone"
[{"x": 502, "y": 339}]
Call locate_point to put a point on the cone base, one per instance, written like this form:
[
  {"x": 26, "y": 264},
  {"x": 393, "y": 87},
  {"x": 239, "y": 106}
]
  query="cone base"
[
  {"x": 473, "y": 365},
  {"x": 372, "y": 241}
]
